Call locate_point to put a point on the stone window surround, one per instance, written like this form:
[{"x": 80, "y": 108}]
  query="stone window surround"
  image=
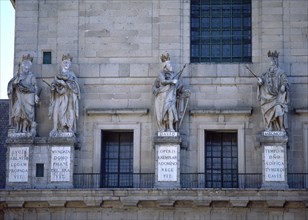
[
  {"x": 239, "y": 127},
  {"x": 135, "y": 127},
  {"x": 304, "y": 111}
]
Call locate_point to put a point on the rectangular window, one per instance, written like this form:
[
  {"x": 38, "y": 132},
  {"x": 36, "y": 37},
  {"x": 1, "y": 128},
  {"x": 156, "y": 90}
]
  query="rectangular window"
[
  {"x": 47, "y": 57},
  {"x": 39, "y": 170},
  {"x": 117, "y": 159},
  {"x": 220, "y": 31},
  {"x": 221, "y": 159}
]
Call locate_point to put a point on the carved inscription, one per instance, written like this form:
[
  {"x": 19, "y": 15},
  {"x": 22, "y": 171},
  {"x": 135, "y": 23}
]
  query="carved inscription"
[
  {"x": 167, "y": 163},
  {"x": 168, "y": 134},
  {"x": 19, "y": 164},
  {"x": 60, "y": 164},
  {"x": 274, "y": 163}
]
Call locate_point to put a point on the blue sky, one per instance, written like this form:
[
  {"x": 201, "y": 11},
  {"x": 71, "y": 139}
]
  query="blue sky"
[{"x": 7, "y": 29}]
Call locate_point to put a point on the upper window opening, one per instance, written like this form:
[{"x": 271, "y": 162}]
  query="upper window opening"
[{"x": 220, "y": 31}]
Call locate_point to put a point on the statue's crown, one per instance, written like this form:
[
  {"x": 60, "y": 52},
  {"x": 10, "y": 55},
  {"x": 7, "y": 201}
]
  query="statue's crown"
[
  {"x": 27, "y": 57},
  {"x": 67, "y": 57},
  {"x": 273, "y": 54},
  {"x": 165, "y": 57}
]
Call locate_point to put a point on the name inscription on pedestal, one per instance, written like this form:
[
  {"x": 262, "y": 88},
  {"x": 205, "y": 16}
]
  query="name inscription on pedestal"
[
  {"x": 168, "y": 134},
  {"x": 60, "y": 164},
  {"x": 19, "y": 164},
  {"x": 274, "y": 168},
  {"x": 274, "y": 133},
  {"x": 167, "y": 163}
]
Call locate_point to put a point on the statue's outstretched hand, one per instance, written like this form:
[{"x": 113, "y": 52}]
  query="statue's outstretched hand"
[
  {"x": 174, "y": 81},
  {"x": 260, "y": 82}
]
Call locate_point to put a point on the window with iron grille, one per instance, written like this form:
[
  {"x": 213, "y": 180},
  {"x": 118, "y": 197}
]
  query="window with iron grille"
[
  {"x": 221, "y": 160},
  {"x": 220, "y": 31},
  {"x": 117, "y": 159}
]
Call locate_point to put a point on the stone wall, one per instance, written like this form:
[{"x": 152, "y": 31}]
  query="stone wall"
[{"x": 116, "y": 47}]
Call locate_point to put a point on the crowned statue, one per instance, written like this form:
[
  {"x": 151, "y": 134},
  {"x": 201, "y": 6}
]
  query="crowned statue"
[
  {"x": 65, "y": 94},
  {"x": 273, "y": 93},
  {"x": 22, "y": 90}
]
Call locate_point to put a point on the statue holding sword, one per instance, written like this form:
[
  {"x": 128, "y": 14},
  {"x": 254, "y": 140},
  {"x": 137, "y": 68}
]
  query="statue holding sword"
[{"x": 171, "y": 98}]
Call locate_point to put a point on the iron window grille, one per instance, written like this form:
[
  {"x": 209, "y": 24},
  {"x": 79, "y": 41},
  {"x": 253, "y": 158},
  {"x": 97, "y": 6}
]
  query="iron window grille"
[
  {"x": 117, "y": 159},
  {"x": 221, "y": 159},
  {"x": 220, "y": 31}
]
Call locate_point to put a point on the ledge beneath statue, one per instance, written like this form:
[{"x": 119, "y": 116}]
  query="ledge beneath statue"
[
  {"x": 35, "y": 141},
  {"x": 167, "y": 137},
  {"x": 274, "y": 137}
]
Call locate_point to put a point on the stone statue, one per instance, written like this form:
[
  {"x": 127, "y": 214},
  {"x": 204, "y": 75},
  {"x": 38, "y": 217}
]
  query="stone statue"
[
  {"x": 65, "y": 93},
  {"x": 22, "y": 91},
  {"x": 273, "y": 92},
  {"x": 171, "y": 98}
]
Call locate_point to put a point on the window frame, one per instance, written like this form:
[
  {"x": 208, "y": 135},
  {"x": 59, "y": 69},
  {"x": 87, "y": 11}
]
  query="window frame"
[
  {"x": 239, "y": 127},
  {"x": 216, "y": 158},
  {"x": 113, "y": 174},
  {"x": 49, "y": 58},
  {"x": 207, "y": 57},
  {"x": 135, "y": 127}
]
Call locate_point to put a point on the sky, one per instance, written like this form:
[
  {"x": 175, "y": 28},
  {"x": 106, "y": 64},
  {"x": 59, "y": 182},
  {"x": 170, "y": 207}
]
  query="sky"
[{"x": 7, "y": 33}]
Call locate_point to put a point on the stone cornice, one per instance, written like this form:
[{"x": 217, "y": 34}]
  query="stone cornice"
[{"x": 108, "y": 198}]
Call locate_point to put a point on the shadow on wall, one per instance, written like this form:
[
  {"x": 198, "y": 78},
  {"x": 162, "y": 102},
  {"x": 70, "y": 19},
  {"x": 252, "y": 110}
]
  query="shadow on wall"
[{"x": 4, "y": 126}]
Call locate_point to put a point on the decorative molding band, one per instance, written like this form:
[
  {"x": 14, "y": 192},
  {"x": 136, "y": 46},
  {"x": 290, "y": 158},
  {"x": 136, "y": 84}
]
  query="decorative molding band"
[
  {"x": 126, "y": 111},
  {"x": 301, "y": 111},
  {"x": 224, "y": 111}
]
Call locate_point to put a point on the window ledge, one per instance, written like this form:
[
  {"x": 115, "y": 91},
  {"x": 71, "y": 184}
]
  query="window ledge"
[
  {"x": 224, "y": 111},
  {"x": 116, "y": 111}
]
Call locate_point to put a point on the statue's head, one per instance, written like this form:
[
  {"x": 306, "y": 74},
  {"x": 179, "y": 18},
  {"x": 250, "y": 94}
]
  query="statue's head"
[
  {"x": 26, "y": 63},
  {"x": 66, "y": 61},
  {"x": 165, "y": 59},
  {"x": 273, "y": 56}
]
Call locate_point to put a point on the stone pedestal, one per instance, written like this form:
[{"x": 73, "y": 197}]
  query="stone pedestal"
[
  {"x": 39, "y": 163},
  {"x": 167, "y": 160},
  {"x": 274, "y": 160}
]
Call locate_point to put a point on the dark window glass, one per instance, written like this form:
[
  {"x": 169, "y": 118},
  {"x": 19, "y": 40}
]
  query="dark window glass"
[
  {"x": 117, "y": 159},
  {"x": 219, "y": 25},
  {"x": 39, "y": 170},
  {"x": 221, "y": 163},
  {"x": 46, "y": 57}
]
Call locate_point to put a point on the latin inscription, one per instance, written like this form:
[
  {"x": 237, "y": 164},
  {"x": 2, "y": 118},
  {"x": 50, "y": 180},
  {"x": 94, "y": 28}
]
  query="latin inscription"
[
  {"x": 19, "y": 164},
  {"x": 274, "y": 163},
  {"x": 60, "y": 164},
  {"x": 167, "y": 163}
]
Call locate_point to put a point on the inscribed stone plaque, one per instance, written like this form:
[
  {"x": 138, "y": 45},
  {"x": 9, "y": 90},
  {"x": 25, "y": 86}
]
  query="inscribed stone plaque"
[
  {"x": 60, "y": 164},
  {"x": 274, "y": 168},
  {"x": 19, "y": 164},
  {"x": 168, "y": 134},
  {"x": 167, "y": 163}
]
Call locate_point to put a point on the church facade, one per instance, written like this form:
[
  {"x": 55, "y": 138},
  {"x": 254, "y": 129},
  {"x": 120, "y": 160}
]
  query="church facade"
[{"x": 221, "y": 159}]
